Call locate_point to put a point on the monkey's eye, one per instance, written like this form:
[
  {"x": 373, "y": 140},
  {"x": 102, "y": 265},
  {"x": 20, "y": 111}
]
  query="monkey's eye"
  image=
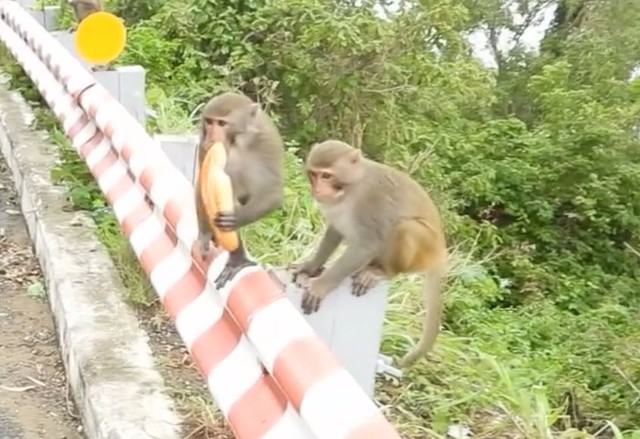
[
  {"x": 325, "y": 175},
  {"x": 208, "y": 121},
  {"x": 338, "y": 187},
  {"x": 222, "y": 123}
]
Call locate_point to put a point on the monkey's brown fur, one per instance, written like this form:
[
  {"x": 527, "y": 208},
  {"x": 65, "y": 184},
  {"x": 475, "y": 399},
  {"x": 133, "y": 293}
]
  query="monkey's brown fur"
[
  {"x": 255, "y": 165},
  {"x": 83, "y": 8},
  {"x": 389, "y": 224}
]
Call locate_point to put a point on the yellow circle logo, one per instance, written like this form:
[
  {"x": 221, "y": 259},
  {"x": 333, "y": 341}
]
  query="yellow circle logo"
[{"x": 100, "y": 38}]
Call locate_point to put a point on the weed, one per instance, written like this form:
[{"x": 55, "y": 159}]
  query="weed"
[{"x": 37, "y": 290}]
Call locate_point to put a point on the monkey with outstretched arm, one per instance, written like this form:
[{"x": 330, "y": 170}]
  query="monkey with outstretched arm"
[
  {"x": 255, "y": 165},
  {"x": 389, "y": 224}
]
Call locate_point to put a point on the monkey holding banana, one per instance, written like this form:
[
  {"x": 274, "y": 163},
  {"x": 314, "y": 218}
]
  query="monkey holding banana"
[{"x": 255, "y": 165}]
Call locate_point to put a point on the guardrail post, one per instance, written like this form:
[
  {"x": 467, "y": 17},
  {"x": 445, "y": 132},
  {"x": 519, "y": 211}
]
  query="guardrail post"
[
  {"x": 351, "y": 326},
  {"x": 127, "y": 85},
  {"x": 47, "y": 16},
  {"x": 181, "y": 150},
  {"x": 66, "y": 39}
]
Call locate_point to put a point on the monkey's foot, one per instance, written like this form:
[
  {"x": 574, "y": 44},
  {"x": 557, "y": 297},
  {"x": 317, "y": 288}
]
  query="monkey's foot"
[
  {"x": 364, "y": 280},
  {"x": 230, "y": 271}
]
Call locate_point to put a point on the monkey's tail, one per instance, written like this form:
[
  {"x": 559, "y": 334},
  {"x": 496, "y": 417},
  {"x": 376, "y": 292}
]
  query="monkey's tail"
[{"x": 432, "y": 298}]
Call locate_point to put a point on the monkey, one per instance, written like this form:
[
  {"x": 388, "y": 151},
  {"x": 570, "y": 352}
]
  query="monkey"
[
  {"x": 389, "y": 224},
  {"x": 255, "y": 165},
  {"x": 83, "y": 8},
  {"x": 210, "y": 131}
]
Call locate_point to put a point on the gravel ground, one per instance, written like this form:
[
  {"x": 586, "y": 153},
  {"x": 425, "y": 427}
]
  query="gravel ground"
[{"x": 34, "y": 398}]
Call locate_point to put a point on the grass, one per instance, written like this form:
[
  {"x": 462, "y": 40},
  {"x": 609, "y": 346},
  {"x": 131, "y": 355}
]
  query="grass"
[{"x": 530, "y": 372}]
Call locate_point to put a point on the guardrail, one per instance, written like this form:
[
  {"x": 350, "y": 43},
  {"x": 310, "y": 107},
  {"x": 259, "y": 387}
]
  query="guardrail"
[{"x": 231, "y": 333}]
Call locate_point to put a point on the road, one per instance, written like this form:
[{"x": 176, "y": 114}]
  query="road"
[{"x": 34, "y": 402}]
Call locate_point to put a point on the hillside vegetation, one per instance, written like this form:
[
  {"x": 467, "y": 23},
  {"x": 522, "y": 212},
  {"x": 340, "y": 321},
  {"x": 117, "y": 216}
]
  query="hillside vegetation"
[{"x": 535, "y": 164}]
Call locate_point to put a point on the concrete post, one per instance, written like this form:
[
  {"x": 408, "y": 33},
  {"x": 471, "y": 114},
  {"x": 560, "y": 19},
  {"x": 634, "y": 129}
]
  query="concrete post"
[
  {"x": 46, "y": 16},
  {"x": 181, "y": 150},
  {"x": 127, "y": 85},
  {"x": 351, "y": 326}
]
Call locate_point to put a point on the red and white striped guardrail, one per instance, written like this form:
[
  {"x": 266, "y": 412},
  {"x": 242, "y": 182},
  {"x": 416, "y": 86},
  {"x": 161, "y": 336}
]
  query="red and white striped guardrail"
[{"x": 229, "y": 332}]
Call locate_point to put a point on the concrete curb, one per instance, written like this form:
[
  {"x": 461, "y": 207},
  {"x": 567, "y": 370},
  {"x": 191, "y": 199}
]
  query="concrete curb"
[{"x": 109, "y": 365}]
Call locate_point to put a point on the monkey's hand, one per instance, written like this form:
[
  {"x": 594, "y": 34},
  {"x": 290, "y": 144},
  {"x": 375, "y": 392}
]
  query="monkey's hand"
[
  {"x": 226, "y": 221},
  {"x": 305, "y": 269},
  {"x": 314, "y": 295}
]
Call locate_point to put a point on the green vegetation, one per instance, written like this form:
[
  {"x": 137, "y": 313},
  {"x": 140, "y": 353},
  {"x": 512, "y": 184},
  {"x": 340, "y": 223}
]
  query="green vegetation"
[{"x": 534, "y": 164}]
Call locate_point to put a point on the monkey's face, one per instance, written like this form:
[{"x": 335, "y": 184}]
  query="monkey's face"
[
  {"x": 325, "y": 186},
  {"x": 234, "y": 129},
  {"x": 332, "y": 169},
  {"x": 215, "y": 130}
]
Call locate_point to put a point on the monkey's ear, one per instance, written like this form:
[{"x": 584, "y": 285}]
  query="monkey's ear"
[
  {"x": 355, "y": 156},
  {"x": 253, "y": 109}
]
